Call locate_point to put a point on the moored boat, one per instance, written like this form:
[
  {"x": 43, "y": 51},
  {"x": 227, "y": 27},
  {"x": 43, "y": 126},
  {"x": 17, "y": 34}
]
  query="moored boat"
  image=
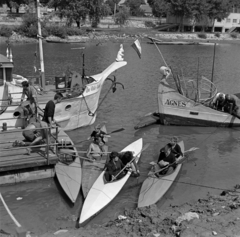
[
  {"x": 102, "y": 193},
  {"x": 177, "y": 109},
  {"x": 65, "y": 41},
  {"x": 68, "y": 169},
  {"x": 153, "y": 188},
  {"x": 92, "y": 169}
]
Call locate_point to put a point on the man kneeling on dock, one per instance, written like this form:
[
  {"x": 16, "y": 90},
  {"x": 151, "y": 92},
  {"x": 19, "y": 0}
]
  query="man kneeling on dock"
[{"x": 33, "y": 135}]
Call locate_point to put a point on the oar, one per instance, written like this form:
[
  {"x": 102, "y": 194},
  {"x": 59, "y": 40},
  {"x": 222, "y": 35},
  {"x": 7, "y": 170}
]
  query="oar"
[
  {"x": 191, "y": 149},
  {"x": 115, "y": 131},
  {"x": 143, "y": 149}
]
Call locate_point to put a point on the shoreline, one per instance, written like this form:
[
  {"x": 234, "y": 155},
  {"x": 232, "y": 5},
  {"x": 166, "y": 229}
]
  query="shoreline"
[
  {"x": 215, "y": 215},
  {"x": 126, "y": 33}
]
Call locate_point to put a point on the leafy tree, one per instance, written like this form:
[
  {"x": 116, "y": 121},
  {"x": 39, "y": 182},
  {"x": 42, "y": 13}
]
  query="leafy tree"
[
  {"x": 94, "y": 10},
  {"x": 134, "y": 6},
  {"x": 122, "y": 16},
  {"x": 73, "y": 10},
  {"x": 112, "y": 4},
  {"x": 218, "y": 9},
  {"x": 159, "y": 7},
  {"x": 105, "y": 10}
]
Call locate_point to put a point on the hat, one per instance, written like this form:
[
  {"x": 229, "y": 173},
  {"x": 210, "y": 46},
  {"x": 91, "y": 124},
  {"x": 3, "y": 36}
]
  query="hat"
[{"x": 113, "y": 154}]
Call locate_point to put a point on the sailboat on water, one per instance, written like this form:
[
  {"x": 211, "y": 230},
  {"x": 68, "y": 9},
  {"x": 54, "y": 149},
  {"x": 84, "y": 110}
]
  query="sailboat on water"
[{"x": 80, "y": 102}]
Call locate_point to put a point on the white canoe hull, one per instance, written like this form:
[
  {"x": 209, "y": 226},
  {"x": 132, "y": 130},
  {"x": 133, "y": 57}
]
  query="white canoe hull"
[
  {"x": 153, "y": 189},
  {"x": 69, "y": 176},
  {"x": 101, "y": 193}
]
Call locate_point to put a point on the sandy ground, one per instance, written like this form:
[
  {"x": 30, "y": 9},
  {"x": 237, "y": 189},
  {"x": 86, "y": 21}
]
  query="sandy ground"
[{"x": 213, "y": 216}]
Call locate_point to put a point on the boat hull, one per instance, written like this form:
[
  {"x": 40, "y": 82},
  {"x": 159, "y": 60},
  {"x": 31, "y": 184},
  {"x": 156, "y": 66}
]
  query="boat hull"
[
  {"x": 101, "y": 193},
  {"x": 176, "y": 109},
  {"x": 154, "y": 188},
  {"x": 69, "y": 175}
]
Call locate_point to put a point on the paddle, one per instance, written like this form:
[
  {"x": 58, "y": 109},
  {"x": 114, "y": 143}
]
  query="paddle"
[
  {"x": 143, "y": 149},
  {"x": 191, "y": 149}
]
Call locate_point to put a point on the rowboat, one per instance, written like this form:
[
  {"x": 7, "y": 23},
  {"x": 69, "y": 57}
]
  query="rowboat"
[
  {"x": 175, "y": 108},
  {"x": 92, "y": 169},
  {"x": 65, "y": 41},
  {"x": 102, "y": 193},
  {"x": 68, "y": 169},
  {"x": 153, "y": 188}
]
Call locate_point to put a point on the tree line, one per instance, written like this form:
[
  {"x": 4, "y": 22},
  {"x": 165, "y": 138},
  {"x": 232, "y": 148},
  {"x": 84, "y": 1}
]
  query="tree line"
[{"x": 78, "y": 10}]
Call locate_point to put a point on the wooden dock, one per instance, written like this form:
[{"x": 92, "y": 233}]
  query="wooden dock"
[{"x": 17, "y": 164}]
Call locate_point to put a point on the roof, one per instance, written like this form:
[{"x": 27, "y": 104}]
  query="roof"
[{"x": 5, "y": 62}]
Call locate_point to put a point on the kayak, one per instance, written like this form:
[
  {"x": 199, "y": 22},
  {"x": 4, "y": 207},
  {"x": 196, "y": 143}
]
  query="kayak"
[
  {"x": 102, "y": 193},
  {"x": 92, "y": 170},
  {"x": 68, "y": 169},
  {"x": 153, "y": 188}
]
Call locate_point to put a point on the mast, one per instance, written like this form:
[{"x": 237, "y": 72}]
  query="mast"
[
  {"x": 40, "y": 46},
  {"x": 214, "y": 51}
]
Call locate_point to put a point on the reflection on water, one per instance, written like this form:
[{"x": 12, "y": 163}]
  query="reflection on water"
[{"x": 214, "y": 166}]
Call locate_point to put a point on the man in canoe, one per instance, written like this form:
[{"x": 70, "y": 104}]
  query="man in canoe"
[
  {"x": 126, "y": 158},
  {"x": 166, "y": 158},
  {"x": 95, "y": 149},
  {"x": 113, "y": 167},
  {"x": 98, "y": 133},
  {"x": 232, "y": 104},
  {"x": 176, "y": 149}
]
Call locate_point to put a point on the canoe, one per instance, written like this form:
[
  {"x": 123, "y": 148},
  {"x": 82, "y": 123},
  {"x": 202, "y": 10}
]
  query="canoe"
[
  {"x": 68, "y": 169},
  {"x": 154, "y": 188},
  {"x": 92, "y": 170},
  {"x": 65, "y": 41},
  {"x": 102, "y": 193}
]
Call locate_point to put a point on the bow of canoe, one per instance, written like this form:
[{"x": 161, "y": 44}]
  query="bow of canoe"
[{"x": 102, "y": 193}]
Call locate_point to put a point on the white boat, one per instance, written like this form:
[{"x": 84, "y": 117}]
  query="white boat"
[
  {"x": 92, "y": 169},
  {"x": 68, "y": 169},
  {"x": 153, "y": 188},
  {"x": 102, "y": 193}
]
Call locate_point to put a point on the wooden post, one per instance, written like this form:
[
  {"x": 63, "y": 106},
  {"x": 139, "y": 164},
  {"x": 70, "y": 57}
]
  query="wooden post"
[
  {"x": 56, "y": 141},
  {"x": 47, "y": 145},
  {"x": 214, "y": 51}
]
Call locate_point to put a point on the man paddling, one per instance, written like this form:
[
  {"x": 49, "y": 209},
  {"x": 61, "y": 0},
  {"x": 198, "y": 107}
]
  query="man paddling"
[
  {"x": 176, "y": 149},
  {"x": 219, "y": 101},
  {"x": 95, "y": 149},
  {"x": 232, "y": 104},
  {"x": 98, "y": 133}
]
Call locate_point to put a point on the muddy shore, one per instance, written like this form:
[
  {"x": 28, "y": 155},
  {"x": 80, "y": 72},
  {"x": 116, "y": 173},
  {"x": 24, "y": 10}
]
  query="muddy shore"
[{"x": 215, "y": 215}]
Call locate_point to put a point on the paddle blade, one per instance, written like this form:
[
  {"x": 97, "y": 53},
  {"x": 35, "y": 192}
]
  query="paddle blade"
[
  {"x": 192, "y": 149},
  {"x": 118, "y": 130}
]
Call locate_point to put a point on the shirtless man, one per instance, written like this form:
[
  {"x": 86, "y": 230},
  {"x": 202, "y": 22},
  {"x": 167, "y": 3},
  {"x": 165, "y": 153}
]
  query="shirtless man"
[{"x": 95, "y": 149}]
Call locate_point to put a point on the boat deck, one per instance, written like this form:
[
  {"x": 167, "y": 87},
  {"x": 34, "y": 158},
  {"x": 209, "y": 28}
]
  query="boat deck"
[{"x": 16, "y": 158}]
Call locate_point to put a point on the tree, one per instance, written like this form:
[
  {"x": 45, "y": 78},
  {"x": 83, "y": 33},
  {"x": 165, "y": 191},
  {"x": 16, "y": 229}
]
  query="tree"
[
  {"x": 134, "y": 6},
  {"x": 73, "y": 10},
  {"x": 94, "y": 10},
  {"x": 218, "y": 9},
  {"x": 112, "y": 4},
  {"x": 122, "y": 16},
  {"x": 159, "y": 8}
]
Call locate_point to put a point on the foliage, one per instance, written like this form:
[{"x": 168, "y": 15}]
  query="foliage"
[
  {"x": 217, "y": 34},
  {"x": 58, "y": 31},
  {"x": 202, "y": 35},
  {"x": 234, "y": 35},
  {"x": 122, "y": 16},
  {"x": 149, "y": 24},
  {"x": 134, "y": 6},
  {"x": 159, "y": 7},
  {"x": 73, "y": 10},
  {"x": 5, "y": 31},
  {"x": 111, "y": 4},
  {"x": 106, "y": 10}
]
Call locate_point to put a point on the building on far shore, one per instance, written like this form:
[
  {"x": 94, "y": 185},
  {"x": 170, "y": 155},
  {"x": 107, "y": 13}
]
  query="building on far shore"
[{"x": 233, "y": 20}]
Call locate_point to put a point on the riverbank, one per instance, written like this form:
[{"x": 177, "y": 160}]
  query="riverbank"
[
  {"x": 217, "y": 215},
  {"x": 129, "y": 33}
]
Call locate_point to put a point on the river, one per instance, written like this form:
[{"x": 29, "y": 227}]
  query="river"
[{"x": 212, "y": 168}]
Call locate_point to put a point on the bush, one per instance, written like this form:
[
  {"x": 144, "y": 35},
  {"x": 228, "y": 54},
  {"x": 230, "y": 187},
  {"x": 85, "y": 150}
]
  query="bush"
[
  {"x": 234, "y": 35},
  {"x": 122, "y": 16},
  {"x": 149, "y": 24},
  {"x": 58, "y": 31},
  {"x": 217, "y": 34},
  {"x": 202, "y": 35},
  {"x": 74, "y": 31},
  {"x": 5, "y": 31}
]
